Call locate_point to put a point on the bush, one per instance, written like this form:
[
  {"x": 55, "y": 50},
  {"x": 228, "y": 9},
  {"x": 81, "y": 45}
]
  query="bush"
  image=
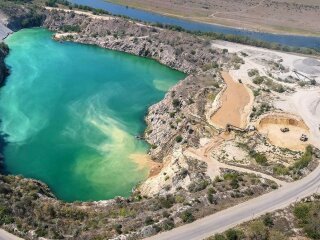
[
  {"x": 301, "y": 211},
  {"x": 218, "y": 237},
  {"x": 258, "y": 80},
  {"x": 280, "y": 170},
  {"x": 179, "y": 139},
  {"x": 305, "y": 159},
  {"x": 257, "y": 230},
  {"x": 268, "y": 221},
  {"x": 167, "y": 201},
  {"x": 234, "y": 183},
  {"x": 198, "y": 186},
  {"x": 5, "y": 217},
  {"x": 259, "y": 158},
  {"x": 308, "y": 215},
  {"x": 253, "y": 72},
  {"x": 148, "y": 221},
  {"x": 168, "y": 224},
  {"x": 233, "y": 234},
  {"x": 176, "y": 103},
  {"x": 187, "y": 217}
]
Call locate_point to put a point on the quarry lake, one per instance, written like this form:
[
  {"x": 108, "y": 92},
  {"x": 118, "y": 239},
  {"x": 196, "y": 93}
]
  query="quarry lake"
[{"x": 70, "y": 113}]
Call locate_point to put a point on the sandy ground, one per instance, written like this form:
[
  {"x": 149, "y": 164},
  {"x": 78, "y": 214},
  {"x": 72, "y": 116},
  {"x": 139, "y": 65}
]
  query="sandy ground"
[
  {"x": 59, "y": 36},
  {"x": 271, "y": 125},
  {"x": 257, "y": 58},
  {"x": 144, "y": 162},
  {"x": 233, "y": 102},
  {"x": 305, "y": 103},
  {"x": 279, "y": 16},
  {"x": 214, "y": 166},
  {"x": 89, "y": 14}
]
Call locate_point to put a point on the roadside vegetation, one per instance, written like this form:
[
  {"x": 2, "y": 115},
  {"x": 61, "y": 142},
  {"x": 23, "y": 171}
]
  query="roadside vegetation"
[
  {"x": 295, "y": 222},
  {"x": 29, "y": 209},
  {"x": 245, "y": 40}
]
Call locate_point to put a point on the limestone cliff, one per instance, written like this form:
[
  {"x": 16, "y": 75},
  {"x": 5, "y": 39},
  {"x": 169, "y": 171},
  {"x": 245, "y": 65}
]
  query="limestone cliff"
[{"x": 178, "y": 50}]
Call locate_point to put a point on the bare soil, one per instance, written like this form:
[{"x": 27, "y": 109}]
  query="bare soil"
[
  {"x": 233, "y": 102},
  {"x": 271, "y": 125},
  {"x": 287, "y": 16}
]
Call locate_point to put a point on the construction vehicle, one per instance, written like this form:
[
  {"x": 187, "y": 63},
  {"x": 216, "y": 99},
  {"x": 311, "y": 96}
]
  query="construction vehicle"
[
  {"x": 284, "y": 130},
  {"x": 303, "y": 138},
  {"x": 230, "y": 127}
]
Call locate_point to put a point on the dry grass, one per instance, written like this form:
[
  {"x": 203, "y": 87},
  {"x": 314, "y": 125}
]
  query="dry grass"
[{"x": 290, "y": 16}]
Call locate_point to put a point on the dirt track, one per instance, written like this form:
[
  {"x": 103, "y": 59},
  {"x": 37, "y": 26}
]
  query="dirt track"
[{"x": 233, "y": 102}]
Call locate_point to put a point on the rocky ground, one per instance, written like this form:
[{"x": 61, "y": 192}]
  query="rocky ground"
[
  {"x": 3, "y": 69},
  {"x": 204, "y": 168}
]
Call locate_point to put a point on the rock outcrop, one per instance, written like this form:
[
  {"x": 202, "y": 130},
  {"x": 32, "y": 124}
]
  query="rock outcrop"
[
  {"x": 178, "y": 50},
  {"x": 3, "y": 69}
]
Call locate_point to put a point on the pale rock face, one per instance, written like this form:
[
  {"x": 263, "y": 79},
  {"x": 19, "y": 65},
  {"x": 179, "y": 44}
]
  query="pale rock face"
[
  {"x": 173, "y": 165},
  {"x": 177, "y": 50}
]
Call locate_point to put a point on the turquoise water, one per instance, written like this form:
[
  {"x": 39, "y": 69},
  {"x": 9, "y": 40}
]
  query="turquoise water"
[{"x": 71, "y": 112}]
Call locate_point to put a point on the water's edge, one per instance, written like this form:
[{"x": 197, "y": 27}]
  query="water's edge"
[
  {"x": 150, "y": 17},
  {"x": 142, "y": 119}
]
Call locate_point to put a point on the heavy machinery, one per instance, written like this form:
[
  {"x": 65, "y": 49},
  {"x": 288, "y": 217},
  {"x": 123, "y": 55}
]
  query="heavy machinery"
[
  {"x": 230, "y": 127},
  {"x": 303, "y": 138},
  {"x": 284, "y": 130}
]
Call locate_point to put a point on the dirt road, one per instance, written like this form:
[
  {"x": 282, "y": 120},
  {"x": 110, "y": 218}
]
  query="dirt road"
[{"x": 246, "y": 211}]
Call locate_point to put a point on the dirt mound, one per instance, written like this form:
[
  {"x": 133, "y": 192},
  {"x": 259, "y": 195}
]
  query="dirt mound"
[{"x": 271, "y": 125}]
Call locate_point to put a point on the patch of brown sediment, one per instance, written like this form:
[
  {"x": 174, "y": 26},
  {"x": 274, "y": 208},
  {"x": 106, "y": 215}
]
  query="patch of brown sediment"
[
  {"x": 144, "y": 161},
  {"x": 234, "y": 100},
  {"x": 270, "y": 125}
]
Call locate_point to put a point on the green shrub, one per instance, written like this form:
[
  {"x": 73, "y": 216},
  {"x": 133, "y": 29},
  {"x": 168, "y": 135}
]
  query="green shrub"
[
  {"x": 259, "y": 158},
  {"x": 187, "y": 217},
  {"x": 167, "y": 201},
  {"x": 148, "y": 221},
  {"x": 179, "y": 139},
  {"x": 308, "y": 215},
  {"x": 234, "y": 234},
  {"x": 301, "y": 211},
  {"x": 257, "y": 230},
  {"x": 258, "y": 80},
  {"x": 175, "y": 103},
  {"x": 280, "y": 169},
  {"x": 253, "y": 72},
  {"x": 168, "y": 224},
  {"x": 305, "y": 159},
  {"x": 267, "y": 220}
]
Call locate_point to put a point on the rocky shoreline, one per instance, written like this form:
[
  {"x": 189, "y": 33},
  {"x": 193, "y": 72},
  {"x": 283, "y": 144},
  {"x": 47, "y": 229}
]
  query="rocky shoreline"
[
  {"x": 182, "y": 191},
  {"x": 3, "y": 68}
]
